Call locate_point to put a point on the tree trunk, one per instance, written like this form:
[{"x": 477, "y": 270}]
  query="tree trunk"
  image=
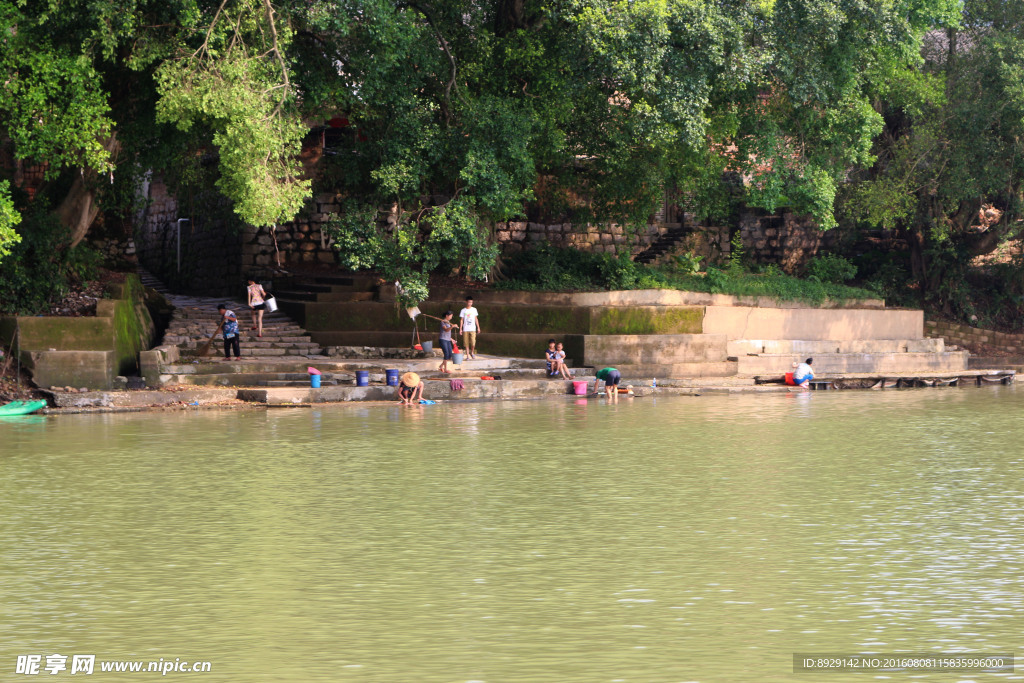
[{"x": 79, "y": 208}]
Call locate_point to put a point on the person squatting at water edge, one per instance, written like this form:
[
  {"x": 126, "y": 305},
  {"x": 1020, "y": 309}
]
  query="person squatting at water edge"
[
  {"x": 410, "y": 389},
  {"x": 469, "y": 318},
  {"x": 257, "y": 302},
  {"x": 610, "y": 377},
  {"x": 445, "y": 339},
  {"x": 803, "y": 374},
  {"x": 230, "y": 332}
]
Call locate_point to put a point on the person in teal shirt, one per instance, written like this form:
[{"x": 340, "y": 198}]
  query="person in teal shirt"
[{"x": 610, "y": 377}]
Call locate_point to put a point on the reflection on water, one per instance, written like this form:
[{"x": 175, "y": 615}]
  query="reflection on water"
[{"x": 691, "y": 538}]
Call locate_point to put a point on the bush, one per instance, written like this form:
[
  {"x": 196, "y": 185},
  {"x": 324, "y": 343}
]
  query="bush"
[
  {"x": 40, "y": 267},
  {"x": 831, "y": 268}
]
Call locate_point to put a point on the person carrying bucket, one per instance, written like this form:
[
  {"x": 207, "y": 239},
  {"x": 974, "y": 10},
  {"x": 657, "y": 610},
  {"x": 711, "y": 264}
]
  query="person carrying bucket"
[
  {"x": 611, "y": 378},
  {"x": 445, "y": 339},
  {"x": 410, "y": 389},
  {"x": 258, "y": 304}
]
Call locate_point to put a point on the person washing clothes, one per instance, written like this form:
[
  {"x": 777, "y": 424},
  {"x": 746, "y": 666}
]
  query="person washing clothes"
[
  {"x": 611, "y": 378},
  {"x": 803, "y": 374},
  {"x": 410, "y": 389}
]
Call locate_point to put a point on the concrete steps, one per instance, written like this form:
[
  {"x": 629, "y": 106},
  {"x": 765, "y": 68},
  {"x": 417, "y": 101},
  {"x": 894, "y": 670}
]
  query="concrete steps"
[
  {"x": 839, "y": 363},
  {"x": 743, "y": 347}
]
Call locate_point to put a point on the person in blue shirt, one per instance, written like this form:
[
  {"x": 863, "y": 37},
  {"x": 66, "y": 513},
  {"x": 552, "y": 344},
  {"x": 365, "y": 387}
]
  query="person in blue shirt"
[{"x": 230, "y": 331}]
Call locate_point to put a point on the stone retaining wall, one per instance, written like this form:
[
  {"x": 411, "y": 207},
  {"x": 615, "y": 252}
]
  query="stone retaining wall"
[
  {"x": 975, "y": 339},
  {"x": 88, "y": 351},
  {"x": 515, "y": 236},
  {"x": 115, "y": 250},
  {"x": 785, "y": 239},
  {"x": 211, "y": 246},
  {"x": 218, "y": 253}
]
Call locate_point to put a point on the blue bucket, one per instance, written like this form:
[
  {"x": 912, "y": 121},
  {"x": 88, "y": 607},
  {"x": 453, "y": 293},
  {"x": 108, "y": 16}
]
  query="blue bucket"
[
  {"x": 392, "y": 377},
  {"x": 362, "y": 378},
  {"x": 314, "y": 381}
]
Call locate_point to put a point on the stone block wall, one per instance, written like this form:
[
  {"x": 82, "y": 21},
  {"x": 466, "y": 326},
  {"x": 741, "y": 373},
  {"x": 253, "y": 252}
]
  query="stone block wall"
[
  {"x": 218, "y": 254},
  {"x": 86, "y": 351},
  {"x": 786, "y": 239},
  {"x": 211, "y": 246},
  {"x": 515, "y": 236},
  {"x": 975, "y": 339},
  {"x": 303, "y": 241},
  {"x": 115, "y": 249}
]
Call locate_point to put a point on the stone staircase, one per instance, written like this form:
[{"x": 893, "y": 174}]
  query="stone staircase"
[
  {"x": 192, "y": 324},
  {"x": 664, "y": 244}
]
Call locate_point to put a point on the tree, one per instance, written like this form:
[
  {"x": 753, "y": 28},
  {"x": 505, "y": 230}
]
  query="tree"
[
  {"x": 89, "y": 85},
  {"x": 950, "y": 160}
]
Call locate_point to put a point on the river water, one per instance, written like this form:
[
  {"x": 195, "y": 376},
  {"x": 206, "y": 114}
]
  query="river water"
[{"x": 661, "y": 539}]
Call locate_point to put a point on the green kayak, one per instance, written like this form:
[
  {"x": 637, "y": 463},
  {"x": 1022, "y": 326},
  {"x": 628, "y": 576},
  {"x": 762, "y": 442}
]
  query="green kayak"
[{"x": 21, "y": 407}]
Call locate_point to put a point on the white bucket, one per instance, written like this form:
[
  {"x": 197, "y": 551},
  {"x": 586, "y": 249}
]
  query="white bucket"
[{"x": 271, "y": 304}]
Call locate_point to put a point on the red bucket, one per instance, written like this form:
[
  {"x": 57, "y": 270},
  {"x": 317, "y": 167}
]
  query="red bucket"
[
  {"x": 789, "y": 379},
  {"x": 579, "y": 388}
]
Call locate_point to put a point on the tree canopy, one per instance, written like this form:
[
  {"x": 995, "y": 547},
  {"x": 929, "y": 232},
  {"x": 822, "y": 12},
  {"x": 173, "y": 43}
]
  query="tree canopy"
[{"x": 579, "y": 109}]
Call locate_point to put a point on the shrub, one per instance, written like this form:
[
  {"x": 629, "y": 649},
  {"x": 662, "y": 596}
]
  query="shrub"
[
  {"x": 38, "y": 269},
  {"x": 831, "y": 268}
]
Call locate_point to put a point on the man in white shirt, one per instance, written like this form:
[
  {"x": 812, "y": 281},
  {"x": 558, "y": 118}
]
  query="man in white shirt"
[
  {"x": 803, "y": 374},
  {"x": 470, "y": 318}
]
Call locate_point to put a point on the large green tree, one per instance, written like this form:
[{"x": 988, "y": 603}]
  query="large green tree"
[
  {"x": 93, "y": 90},
  {"x": 949, "y": 175},
  {"x": 582, "y": 109}
]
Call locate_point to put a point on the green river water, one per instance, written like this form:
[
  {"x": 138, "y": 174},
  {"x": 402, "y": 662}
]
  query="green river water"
[{"x": 661, "y": 539}]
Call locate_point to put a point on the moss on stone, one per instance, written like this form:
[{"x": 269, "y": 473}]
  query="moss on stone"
[
  {"x": 646, "y": 320},
  {"x": 122, "y": 325}
]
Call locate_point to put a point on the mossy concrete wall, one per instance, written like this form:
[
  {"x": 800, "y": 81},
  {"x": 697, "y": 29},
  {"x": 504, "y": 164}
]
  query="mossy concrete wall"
[
  {"x": 505, "y": 318},
  {"x": 59, "y": 350}
]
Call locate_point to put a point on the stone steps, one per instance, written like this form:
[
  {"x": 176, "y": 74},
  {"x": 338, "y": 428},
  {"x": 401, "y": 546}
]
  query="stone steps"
[{"x": 192, "y": 325}]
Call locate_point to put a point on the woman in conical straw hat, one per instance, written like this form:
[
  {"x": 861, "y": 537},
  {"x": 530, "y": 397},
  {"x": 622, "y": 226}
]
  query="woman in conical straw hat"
[{"x": 410, "y": 389}]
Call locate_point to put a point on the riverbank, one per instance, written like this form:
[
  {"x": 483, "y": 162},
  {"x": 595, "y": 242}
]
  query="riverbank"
[{"x": 477, "y": 390}]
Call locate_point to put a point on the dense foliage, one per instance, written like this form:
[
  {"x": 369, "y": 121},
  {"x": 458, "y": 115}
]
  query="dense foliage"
[
  {"x": 550, "y": 268},
  {"x": 446, "y": 116}
]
